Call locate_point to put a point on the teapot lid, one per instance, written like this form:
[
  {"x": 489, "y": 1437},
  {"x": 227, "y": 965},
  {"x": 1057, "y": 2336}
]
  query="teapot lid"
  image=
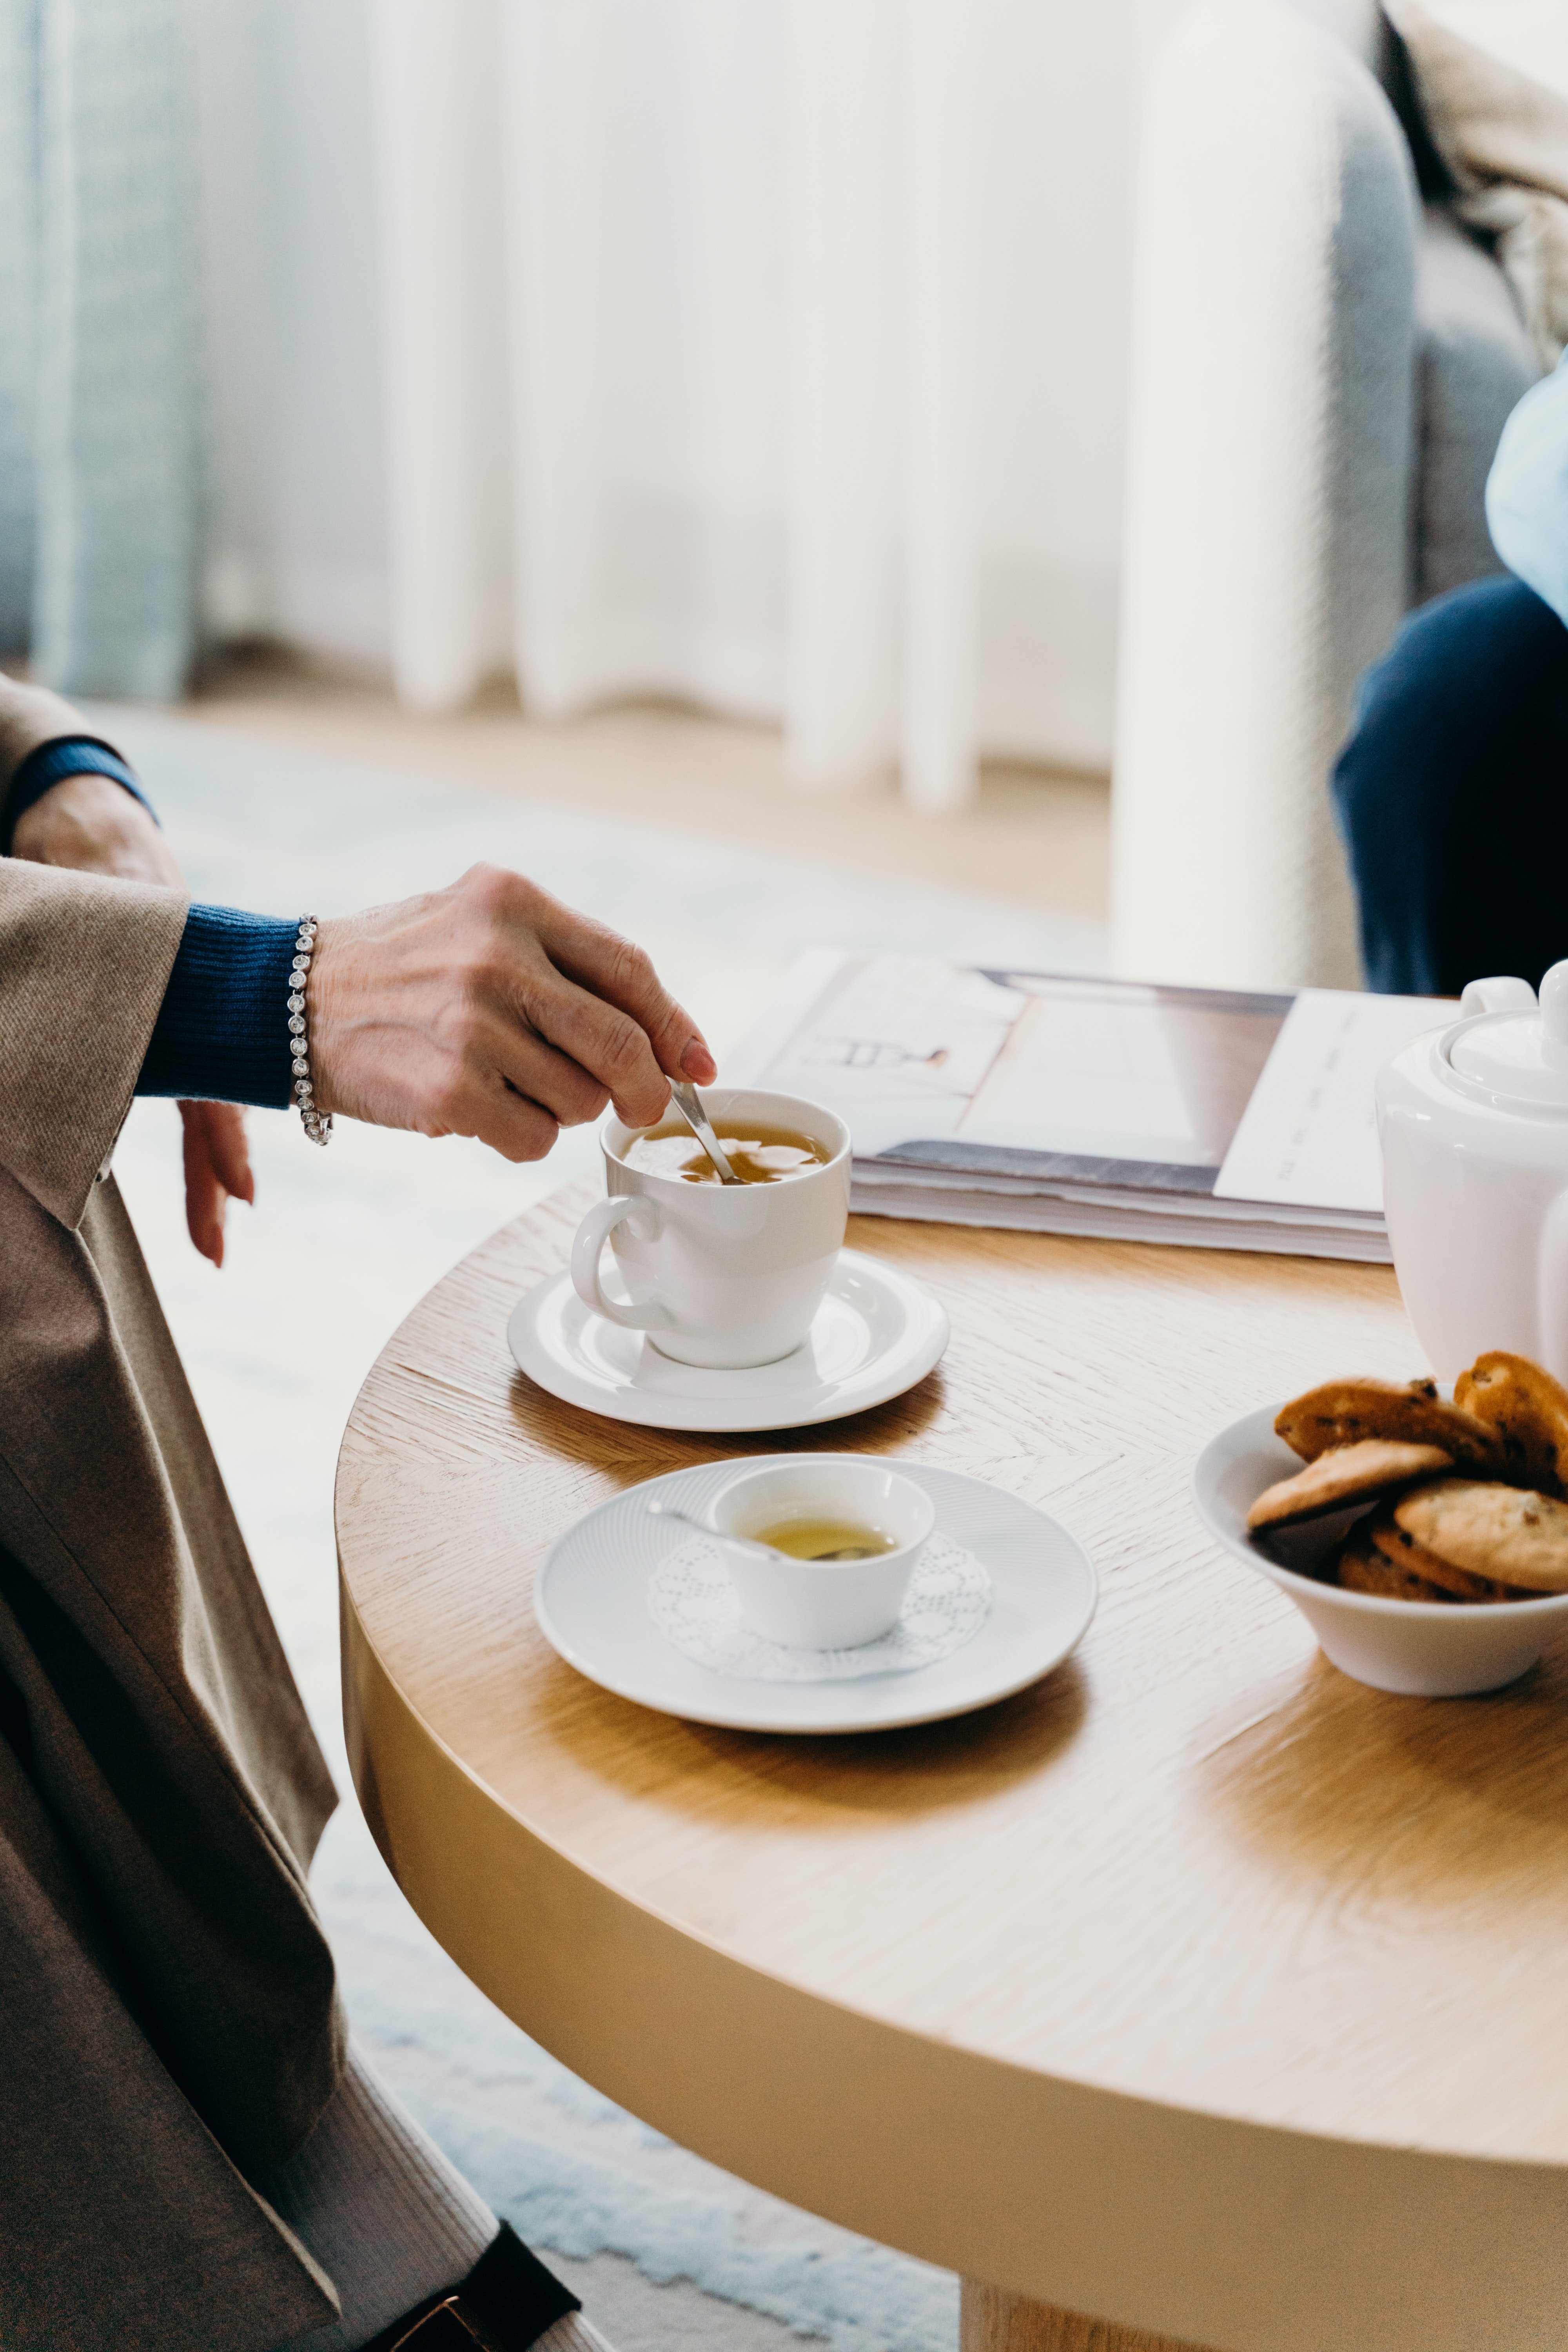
[{"x": 1518, "y": 1051}]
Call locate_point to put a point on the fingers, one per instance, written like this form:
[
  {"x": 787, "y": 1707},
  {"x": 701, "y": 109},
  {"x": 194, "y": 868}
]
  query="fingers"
[
  {"x": 623, "y": 975},
  {"x": 205, "y": 1197},
  {"x": 225, "y": 1125},
  {"x": 488, "y": 1106},
  {"x": 520, "y": 1130},
  {"x": 556, "y": 1082},
  {"x": 217, "y": 1163},
  {"x": 607, "y": 1044}
]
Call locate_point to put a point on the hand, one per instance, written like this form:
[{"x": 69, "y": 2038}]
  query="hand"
[
  {"x": 94, "y": 825},
  {"x": 490, "y": 1009}
]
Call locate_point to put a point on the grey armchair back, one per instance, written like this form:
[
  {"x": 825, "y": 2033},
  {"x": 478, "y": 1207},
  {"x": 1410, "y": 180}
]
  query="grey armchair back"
[{"x": 1322, "y": 363}]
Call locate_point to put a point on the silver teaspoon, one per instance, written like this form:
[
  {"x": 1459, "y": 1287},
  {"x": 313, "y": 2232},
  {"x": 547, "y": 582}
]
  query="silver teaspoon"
[
  {"x": 657, "y": 1511},
  {"x": 688, "y": 1103}
]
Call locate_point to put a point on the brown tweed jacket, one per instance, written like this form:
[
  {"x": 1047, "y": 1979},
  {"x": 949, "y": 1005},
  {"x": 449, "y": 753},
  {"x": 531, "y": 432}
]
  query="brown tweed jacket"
[{"x": 168, "y": 2017}]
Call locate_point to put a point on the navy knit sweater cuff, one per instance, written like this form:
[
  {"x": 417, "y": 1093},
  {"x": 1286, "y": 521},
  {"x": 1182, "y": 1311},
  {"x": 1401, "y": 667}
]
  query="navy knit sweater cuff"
[
  {"x": 222, "y": 1033},
  {"x": 52, "y": 763}
]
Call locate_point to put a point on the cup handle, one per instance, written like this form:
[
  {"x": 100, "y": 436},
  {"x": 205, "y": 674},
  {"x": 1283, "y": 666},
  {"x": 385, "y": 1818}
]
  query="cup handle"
[{"x": 589, "y": 1247}]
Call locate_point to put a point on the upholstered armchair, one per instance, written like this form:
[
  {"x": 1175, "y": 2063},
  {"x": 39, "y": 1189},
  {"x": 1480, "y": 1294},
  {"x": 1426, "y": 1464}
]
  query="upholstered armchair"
[{"x": 1323, "y": 363}]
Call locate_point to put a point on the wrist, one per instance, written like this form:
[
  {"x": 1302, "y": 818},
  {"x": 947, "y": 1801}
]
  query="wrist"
[
  {"x": 346, "y": 1000},
  {"x": 317, "y": 1118},
  {"x": 321, "y": 1008}
]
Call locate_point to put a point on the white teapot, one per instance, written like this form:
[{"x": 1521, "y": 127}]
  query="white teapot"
[{"x": 1474, "y": 1126}]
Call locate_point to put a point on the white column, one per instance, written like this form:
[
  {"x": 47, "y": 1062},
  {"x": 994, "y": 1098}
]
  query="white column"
[
  {"x": 938, "y": 655},
  {"x": 842, "y": 326},
  {"x": 553, "y": 97},
  {"x": 438, "y": 117}
]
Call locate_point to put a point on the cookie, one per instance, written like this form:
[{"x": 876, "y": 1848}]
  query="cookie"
[
  {"x": 1396, "y": 1544},
  {"x": 1527, "y": 1409},
  {"x": 1345, "y": 1412},
  {"x": 1508, "y": 1533},
  {"x": 1365, "y": 1569},
  {"x": 1345, "y": 1474}
]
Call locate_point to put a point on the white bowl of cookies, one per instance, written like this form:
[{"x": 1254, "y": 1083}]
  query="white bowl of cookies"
[{"x": 1422, "y": 1536}]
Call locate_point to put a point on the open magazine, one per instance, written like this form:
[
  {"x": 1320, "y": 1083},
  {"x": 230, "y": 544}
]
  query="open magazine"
[{"x": 1071, "y": 1106}]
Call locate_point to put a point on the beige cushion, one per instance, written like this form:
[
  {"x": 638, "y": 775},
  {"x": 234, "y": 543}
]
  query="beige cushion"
[{"x": 1493, "y": 81}]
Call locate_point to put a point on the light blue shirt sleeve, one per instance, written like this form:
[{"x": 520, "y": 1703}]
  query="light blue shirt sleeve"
[{"x": 1527, "y": 491}]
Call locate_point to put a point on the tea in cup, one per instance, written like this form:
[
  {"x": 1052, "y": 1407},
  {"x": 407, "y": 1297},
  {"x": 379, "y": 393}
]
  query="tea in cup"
[
  {"x": 758, "y": 1153},
  {"x": 725, "y": 1275}
]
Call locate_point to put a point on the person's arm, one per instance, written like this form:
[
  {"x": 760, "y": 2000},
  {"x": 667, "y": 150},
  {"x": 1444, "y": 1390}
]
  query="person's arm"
[
  {"x": 72, "y": 801},
  {"x": 487, "y": 1009},
  {"x": 31, "y": 719},
  {"x": 84, "y": 963},
  {"x": 61, "y": 763},
  {"x": 1527, "y": 491}
]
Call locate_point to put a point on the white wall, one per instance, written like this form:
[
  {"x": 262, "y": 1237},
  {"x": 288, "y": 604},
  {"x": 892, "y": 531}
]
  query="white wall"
[{"x": 693, "y": 394}]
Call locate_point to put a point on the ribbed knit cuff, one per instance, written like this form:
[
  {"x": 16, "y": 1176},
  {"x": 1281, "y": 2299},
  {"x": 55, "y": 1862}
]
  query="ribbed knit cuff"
[
  {"x": 52, "y": 763},
  {"x": 222, "y": 1033}
]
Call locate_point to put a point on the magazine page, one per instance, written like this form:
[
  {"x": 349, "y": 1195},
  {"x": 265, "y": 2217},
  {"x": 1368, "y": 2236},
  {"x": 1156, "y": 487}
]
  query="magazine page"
[
  {"x": 1308, "y": 1136},
  {"x": 1029, "y": 1075}
]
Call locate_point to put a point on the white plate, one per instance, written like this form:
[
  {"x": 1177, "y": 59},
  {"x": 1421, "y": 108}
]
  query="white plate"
[
  {"x": 876, "y": 1334},
  {"x": 591, "y": 1600},
  {"x": 1428, "y": 1649}
]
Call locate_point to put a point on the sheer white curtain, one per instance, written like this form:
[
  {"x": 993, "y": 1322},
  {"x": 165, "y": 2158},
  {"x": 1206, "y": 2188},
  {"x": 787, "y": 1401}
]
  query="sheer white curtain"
[
  {"x": 676, "y": 304},
  {"x": 765, "y": 353}
]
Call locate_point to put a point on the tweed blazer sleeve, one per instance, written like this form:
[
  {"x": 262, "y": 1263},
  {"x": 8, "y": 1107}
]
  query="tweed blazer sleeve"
[{"x": 84, "y": 963}]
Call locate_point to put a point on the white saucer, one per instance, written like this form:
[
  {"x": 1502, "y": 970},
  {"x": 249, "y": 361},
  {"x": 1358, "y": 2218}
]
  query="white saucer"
[
  {"x": 876, "y": 1334},
  {"x": 591, "y": 1600}
]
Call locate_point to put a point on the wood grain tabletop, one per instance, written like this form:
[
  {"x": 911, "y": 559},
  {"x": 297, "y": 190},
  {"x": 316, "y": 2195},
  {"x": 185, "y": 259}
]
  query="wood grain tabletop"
[{"x": 1193, "y": 1927}]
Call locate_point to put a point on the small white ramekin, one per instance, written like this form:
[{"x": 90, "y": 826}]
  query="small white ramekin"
[{"x": 824, "y": 1604}]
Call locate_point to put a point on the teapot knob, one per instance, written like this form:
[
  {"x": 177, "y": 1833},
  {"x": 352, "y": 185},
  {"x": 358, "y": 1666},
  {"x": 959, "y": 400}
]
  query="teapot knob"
[{"x": 1554, "y": 1004}]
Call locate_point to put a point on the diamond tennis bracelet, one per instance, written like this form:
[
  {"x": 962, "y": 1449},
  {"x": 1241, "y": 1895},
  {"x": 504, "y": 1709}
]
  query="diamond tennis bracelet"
[{"x": 317, "y": 1127}]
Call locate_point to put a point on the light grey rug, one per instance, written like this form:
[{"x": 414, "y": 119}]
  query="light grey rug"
[{"x": 666, "y": 2250}]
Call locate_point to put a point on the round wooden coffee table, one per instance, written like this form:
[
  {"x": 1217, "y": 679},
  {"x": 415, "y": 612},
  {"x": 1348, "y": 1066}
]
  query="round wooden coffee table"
[{"x": 1196, "y": 1993}]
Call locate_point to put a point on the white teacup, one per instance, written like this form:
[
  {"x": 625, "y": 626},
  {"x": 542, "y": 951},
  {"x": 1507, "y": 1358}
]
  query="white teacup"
[
  {"x": 810, "y": 1604},
  {"x": 720, "y": 1274}
]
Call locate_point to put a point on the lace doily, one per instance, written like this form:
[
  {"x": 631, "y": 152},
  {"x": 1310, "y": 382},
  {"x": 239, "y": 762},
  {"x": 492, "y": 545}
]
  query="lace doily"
[{"x": 693, "y": 1602}]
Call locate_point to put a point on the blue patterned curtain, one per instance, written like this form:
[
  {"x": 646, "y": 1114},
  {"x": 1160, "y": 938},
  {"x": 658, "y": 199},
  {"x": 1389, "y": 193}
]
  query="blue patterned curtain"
[{"x": 99, "y": 343}]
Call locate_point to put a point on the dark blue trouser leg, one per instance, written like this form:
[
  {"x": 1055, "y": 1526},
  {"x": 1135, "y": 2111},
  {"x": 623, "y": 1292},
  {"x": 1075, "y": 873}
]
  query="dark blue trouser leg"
[{"x": 1453, "y": 793}]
